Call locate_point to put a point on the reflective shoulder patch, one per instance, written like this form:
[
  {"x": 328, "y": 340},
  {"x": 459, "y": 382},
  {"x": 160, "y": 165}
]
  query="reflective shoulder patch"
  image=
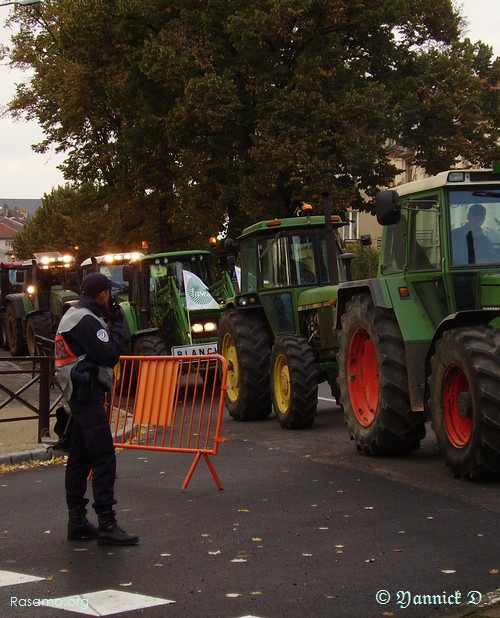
[{"x": 102, "y": 334}]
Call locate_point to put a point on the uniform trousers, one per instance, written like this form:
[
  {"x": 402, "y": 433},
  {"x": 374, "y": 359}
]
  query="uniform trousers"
[{"x": 91, "y": 450}]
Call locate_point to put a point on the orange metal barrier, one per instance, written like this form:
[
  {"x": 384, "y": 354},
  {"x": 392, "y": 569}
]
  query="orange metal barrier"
[{"x": 170, "y": 403}]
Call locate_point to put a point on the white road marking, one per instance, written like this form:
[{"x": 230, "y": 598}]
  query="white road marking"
[
  {"x": 8, "y": 578},
  {"x": 106, "y": 602}
]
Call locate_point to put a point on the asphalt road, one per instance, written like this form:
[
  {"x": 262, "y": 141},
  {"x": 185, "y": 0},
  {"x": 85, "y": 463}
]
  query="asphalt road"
[{"x": 305, "y": 526}]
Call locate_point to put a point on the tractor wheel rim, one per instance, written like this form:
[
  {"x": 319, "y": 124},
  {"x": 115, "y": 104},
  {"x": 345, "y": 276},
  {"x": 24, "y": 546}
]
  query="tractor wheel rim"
[
  {"x": 233, "y": 374},
  {"x": 363, "y": 377},
  {"x": 282, "y": 384},
  {"x": 458, "y": 427}
]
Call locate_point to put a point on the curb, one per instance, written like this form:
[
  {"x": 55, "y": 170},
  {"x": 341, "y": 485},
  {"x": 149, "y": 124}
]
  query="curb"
[{"x": 40, "y": 454}]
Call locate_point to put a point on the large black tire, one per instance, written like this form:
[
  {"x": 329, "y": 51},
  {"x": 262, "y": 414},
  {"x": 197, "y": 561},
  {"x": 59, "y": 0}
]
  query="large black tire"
[
  {"x": 144, "y": 345},
  {"x": 374, "y": 383},
  {"x": 38, "y": 325},
  {"x": 245, "y": 344},
  {"x": 294, "y": 382},
  {"x": 465, "y": 401},
  {"x": 149, "y": 345},
  {"x": 14, "y": 332}
]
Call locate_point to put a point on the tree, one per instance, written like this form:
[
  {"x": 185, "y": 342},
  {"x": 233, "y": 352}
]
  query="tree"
[
  {"x": 189, "y": 116},
  {"x": 70, "y": 218}
]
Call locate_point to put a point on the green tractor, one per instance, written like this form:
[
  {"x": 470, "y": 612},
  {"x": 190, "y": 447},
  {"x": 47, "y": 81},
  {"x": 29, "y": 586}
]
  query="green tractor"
[
  {"x": 174, "y": 304},
  {"x": 422, "y": 340},
  {"x": 278, "y": 334},
  {"x": 50, "y": 284}
]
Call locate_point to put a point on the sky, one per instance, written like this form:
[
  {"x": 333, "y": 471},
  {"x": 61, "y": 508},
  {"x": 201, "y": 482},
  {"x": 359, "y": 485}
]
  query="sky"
[{"x": 25, "y": 174}]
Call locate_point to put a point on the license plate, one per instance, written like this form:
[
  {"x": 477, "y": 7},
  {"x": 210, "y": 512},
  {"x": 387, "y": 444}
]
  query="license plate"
[{"x": 195, "y": 350}]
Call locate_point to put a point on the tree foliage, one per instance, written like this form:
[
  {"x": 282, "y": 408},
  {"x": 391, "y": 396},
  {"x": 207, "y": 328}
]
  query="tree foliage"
[
  {"x": 76, "y": 221},
  {"x": 186, "y": 116}
]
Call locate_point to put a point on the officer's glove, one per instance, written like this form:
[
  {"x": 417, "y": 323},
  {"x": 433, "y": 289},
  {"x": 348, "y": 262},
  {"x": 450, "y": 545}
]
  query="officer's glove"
[{"x": 115, "y": 314}]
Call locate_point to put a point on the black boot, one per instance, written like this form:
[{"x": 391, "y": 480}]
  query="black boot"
[
  {"x": 79, "y": 527},
  {"x": 110, "y": 533}
]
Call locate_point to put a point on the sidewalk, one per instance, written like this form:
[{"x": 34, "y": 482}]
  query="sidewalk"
[{"x": 18, "y": 439}]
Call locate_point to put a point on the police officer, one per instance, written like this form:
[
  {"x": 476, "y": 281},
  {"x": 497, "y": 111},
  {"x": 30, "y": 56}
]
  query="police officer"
[{"x": 86, "y": 350}]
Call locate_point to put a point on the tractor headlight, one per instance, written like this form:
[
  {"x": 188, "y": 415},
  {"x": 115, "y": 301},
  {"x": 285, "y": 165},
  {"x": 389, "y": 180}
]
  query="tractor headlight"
[{"x": 206, "y": 327}]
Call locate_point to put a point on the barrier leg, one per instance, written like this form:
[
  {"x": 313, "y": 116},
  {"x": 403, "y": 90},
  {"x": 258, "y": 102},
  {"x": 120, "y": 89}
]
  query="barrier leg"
[{"x": 193, "y": 468}]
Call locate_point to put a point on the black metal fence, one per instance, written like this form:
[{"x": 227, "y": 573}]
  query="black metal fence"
[{"x": 38, "y": 370}]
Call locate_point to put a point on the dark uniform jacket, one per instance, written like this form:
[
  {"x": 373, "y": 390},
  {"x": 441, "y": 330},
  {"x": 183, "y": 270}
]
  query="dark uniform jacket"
[{"x": 87, "y": 344}]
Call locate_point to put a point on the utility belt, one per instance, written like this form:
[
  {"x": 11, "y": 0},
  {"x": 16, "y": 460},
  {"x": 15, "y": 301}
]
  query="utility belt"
[
  {"x": 86, "y": 377},
  {"x": 84, "y": 383}
]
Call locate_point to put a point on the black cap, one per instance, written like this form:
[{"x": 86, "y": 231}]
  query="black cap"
[{"x": 95, "y": 283}]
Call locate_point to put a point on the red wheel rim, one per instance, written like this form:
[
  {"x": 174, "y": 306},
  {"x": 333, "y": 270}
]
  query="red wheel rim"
[
  {"x": 458, "y": 427},
  {"x": 363, "y": 379}
]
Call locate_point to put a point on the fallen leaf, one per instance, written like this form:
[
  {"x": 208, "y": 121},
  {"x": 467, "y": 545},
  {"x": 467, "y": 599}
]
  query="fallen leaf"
[
  {"x": 396, "y": 549},
  {"x": 256, "y": 539}
]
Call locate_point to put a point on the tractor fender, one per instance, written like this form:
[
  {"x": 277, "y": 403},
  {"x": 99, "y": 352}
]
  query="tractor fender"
[
  {"x": 35, "y": 312},
  {"x": 348, "y": 289},
  {"x": 254, "y": 307},
  {"x": 140, "y": 333},
  {"x": 68, "y": 304},
  {"x": 473, "y": 317},
  {"x": 16, "y": 301}
]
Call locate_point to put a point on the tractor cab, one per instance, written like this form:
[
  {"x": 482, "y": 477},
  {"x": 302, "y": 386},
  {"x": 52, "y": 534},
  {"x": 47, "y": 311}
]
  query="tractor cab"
[
  {"x": 443, "y": 236},
  {"x": 287, "y": 264},
  {"x": 113, "y": 266}
]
